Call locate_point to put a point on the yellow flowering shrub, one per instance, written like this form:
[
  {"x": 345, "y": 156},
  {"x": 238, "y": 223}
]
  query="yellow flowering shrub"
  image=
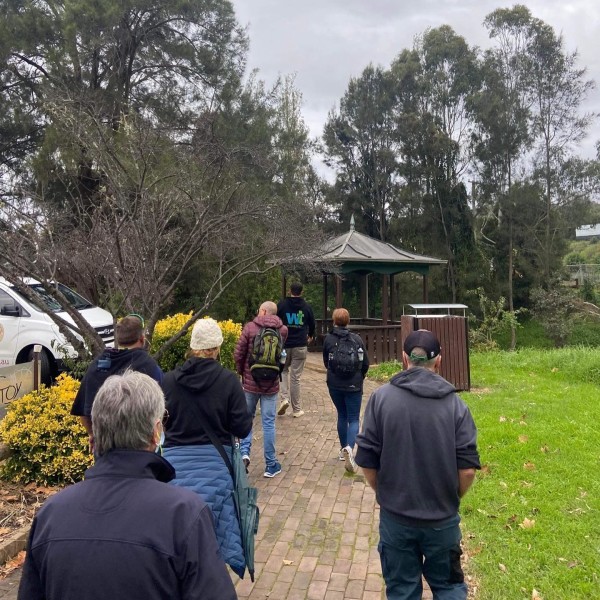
[
  {"x": 175, "y": 354},
  {"x": 49, "y": 445},
  {"x": 231, "y": 334},
  {"x": 164, "y": 330}
]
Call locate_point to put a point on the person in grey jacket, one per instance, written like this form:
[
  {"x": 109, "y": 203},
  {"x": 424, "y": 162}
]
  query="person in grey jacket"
[{"x": 418, "y": 451}]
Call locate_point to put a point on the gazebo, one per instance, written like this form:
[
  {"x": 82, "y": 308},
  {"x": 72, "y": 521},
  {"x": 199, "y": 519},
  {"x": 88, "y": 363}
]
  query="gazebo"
[{"x": 354, "y": 252}]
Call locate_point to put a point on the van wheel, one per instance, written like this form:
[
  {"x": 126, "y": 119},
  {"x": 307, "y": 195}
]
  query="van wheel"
[{"x": 45, "y": 367}]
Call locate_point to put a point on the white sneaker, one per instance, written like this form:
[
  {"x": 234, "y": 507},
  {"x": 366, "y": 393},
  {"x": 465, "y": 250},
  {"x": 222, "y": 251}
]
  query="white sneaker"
[
  {"x": 299, "y": 413},
  {"x": 285, "y": 404},
  {"x": 341, "y": 455},
  {"x": 351, "y": 465}
]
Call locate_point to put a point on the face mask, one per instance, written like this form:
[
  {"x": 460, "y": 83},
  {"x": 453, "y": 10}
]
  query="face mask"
[{"x": 159, "y": 448}]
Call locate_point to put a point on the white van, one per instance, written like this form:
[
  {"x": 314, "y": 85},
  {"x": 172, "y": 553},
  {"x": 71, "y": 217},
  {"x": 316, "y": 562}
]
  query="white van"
[{"x": 22, "y": 325}]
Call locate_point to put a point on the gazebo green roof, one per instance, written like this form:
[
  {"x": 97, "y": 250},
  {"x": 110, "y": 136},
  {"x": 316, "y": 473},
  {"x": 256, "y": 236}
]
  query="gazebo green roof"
[{"x": 355, "y": 252}]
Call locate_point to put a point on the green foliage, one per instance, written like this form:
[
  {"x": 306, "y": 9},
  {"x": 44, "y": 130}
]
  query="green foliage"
[
  {"x": 554, "y": 308},
  {"x": 587, "y": 292},
  {"x": 491, "y": 320},
  {"x": 49, "y": 445},
  {"x": 583, "y": 252},
  {"x": 166, "y": 328},
  {"x": 534, "y": 507}
]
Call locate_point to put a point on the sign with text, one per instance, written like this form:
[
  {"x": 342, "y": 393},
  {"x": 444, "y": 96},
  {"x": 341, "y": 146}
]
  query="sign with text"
[{"x": 16, "y": 381}]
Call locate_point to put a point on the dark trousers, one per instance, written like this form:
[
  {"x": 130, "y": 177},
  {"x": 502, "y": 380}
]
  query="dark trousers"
[
  {"x": 407, "y": 553},
  {"x": 347, "y": 405}
]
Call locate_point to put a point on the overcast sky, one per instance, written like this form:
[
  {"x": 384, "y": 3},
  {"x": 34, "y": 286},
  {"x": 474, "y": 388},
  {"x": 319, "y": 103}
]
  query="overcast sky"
[{"x": 326, "y": 42}]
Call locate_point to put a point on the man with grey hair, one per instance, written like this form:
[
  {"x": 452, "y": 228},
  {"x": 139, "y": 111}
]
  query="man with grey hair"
[
  {"x": 265, "y": 327},
  {"x": 418, "y": 451},
  {"x": 123, "y": 532}
]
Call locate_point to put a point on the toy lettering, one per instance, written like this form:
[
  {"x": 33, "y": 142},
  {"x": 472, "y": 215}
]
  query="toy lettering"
[{"x": 9, "y": 392}]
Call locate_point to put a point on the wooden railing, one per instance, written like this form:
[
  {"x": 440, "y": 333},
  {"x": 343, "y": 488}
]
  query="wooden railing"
[{"x": 384, "y": 342}]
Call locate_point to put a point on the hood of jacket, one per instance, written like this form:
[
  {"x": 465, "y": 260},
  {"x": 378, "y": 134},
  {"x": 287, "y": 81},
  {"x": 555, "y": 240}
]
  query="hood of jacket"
[
  {"x": 341, "y": 332},
  {"x": 121, "y": 358},
  {"x": 131, "y": 463},
  {"x": 295, "y": 301},
  {"x": 268, "y": 321},
  {"x": 198, "y": 374},
  {"x": 422, "y": 382}
]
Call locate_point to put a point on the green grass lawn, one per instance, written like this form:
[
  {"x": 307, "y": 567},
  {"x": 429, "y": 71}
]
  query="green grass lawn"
[{"x": 532, "y": 519}]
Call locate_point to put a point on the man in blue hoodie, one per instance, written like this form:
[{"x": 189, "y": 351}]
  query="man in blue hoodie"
[
  {"x": 130, "y": 354},
  {"x": 418, "y": 451}
]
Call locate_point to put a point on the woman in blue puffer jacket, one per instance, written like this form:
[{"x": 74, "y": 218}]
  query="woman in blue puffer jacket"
[{"x": 202, "y": 394}]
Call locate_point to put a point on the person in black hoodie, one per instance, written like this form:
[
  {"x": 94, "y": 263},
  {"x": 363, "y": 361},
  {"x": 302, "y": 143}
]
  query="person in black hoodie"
[
  {"x": 123, "y": 532},
  {"x": 297, "y": 315},
  {"x": 345, "y": 382},
  {"x": 203, "y": 396},
  {"x": 130, "y": 354}
]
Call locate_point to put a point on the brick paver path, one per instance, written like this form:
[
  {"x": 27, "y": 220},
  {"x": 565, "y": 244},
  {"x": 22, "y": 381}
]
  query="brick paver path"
[{"x": 318, "y": 532}]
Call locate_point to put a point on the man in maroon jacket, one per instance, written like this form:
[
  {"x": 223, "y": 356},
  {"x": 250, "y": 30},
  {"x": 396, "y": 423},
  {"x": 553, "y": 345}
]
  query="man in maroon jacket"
[{"x": 263, "y": 390}]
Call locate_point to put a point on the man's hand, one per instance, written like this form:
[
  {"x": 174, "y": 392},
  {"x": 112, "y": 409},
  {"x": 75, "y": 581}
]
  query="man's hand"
[
  {"x": 465, "y": 480},
  {"x": 370, "y": 476}
]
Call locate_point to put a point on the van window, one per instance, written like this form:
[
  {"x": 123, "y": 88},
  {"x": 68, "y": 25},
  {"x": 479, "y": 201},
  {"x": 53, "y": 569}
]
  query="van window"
[
  {"x": 79, "y": 302},
  {"x": 6, "y": 300}
]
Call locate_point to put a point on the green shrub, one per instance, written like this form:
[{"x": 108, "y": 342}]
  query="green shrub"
[
  {"x": 49, "y": 445},
  {"x": 166, "y": 328},
  {"x": 492, "y": 320},
  {"x": 554, "y": 308}
]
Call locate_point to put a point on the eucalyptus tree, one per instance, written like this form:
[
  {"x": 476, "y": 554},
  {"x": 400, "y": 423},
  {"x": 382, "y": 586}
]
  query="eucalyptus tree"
[
  {"x": 557, "y": 89},
  {"x": 359, "y": 143},
  {"x": 503, "y": 137},
  {"x": 433, "y": 129}
]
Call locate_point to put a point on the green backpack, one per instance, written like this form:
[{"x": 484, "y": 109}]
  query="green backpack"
[{"x": 266, "y": 354}]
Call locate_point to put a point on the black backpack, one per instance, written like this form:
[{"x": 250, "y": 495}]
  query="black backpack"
[
  {"x": 345, "y": 360},
  {"x": 266, "y": 354}
]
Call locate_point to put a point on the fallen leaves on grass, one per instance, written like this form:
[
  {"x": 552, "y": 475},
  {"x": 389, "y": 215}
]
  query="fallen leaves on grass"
[{"x": 527, "y": 523}]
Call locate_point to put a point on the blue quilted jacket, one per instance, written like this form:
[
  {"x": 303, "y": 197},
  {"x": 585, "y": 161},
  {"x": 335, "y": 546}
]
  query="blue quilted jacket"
[{"x": 202, "y": 469}]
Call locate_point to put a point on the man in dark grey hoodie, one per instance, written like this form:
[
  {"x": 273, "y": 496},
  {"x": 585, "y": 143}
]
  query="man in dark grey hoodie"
[{"x": 418, "y": 451}]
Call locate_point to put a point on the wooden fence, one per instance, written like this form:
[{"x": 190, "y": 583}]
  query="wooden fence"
[{"x": 384, "y": 342}]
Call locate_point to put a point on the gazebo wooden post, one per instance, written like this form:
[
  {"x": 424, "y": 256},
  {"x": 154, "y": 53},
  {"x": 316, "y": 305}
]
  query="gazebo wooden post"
[
  {"x": 325, "y": 315},
  {"x": 385, "y": 301},
  {"x": 364, "y": 290},
  {"x": 393, "y": 299},
  {"x": 338, "y": 291},
  {"x": 425, "y": 290}
]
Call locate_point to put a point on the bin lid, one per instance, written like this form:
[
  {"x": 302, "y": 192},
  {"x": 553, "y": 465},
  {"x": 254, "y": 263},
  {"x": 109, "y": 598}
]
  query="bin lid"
[{"x": 446, "y": 308}]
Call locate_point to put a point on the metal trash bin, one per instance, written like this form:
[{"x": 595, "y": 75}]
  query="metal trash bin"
[{"x": 452, "y": 331}]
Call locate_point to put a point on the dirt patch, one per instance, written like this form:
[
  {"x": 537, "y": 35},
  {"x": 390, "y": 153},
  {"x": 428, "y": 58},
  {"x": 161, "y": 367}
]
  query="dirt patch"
[
  {"x": 480, "y": 390},
  {"x": 18, "y": 504}
]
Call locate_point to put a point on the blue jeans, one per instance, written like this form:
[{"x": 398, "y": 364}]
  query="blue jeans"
[
  {"x": 348, "y": 410},
  {"x": 268, "y": 410},
  {"x": 408, "y": 552}
]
